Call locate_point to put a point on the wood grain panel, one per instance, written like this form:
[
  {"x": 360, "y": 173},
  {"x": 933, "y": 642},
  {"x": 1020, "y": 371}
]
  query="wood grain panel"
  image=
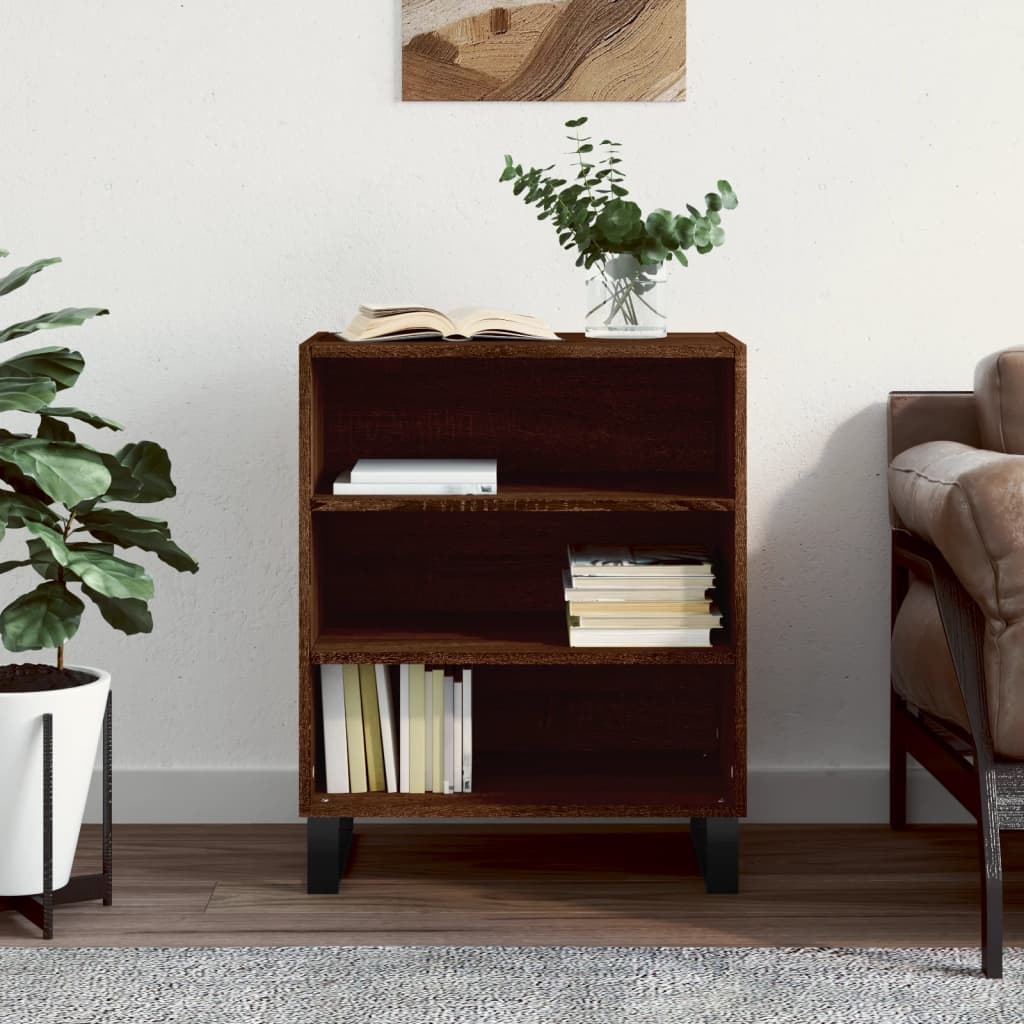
[
  {"x": 578, "y": 50},
  {"x": 486, "y": 883}
]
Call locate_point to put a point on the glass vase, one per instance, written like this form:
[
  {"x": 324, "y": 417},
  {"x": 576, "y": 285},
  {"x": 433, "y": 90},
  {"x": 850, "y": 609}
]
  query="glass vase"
[{"x": 625, "y": 299}]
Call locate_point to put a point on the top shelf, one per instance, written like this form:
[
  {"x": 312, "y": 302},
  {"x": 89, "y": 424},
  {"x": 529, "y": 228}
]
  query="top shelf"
[{"x": 573, "y": 346}]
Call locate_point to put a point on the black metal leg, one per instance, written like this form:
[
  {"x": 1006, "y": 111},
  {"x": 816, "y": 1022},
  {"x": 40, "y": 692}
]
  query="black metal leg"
[
  {"x": 39, "y": 908},
  {"x": 897, "y": 766},
  {"x": 47, "y": 826},
  {"x": 328, "y": 844},
  {"x": 108, "y": 803},
  {"x": 991, "y": 883},
  {"x": 716, "y": 841}
]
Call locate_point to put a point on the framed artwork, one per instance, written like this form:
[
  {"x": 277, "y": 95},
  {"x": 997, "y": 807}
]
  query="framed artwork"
[{"x": 563, "y": 50}]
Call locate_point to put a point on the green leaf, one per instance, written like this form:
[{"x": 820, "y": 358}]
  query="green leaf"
[
  {"x": 16, "y": 278},
  {"x": 91, "y": 418},
  {"x": 704, "y": 249},
  {"x": 70, "y": 317},
  {"x": 620, "y": 222},
  {"x": 17, "y": 509},
  {"x": 661, "y": 226},
  {"x": 131, "y": 531},
  {"x": 717, "y": 236},
  {"x": 586, "y": 148},
  {"x": 26, "y": 394},
  {"x": 45, "y": 617},
  {"x": 576, "y": 122},
  {"x": 150, "y": 466},
  {"x": 651, "y": 252},
  {"x": 713, "y": 201},
  {"x": 54, "y": 430},
  {"x": 123, "y": 486},
  {"x": 620, "y": 191},
  {"x": 8, "y": 566},
  {"x": 729, "y": 199},
  {"x": 109, "y": 575},
  {"x": 53, "y": 540},
  {"x": 128, "y": 614},
  {"x": 68, "y": 473},
  {"x": 43, "y": 562}
]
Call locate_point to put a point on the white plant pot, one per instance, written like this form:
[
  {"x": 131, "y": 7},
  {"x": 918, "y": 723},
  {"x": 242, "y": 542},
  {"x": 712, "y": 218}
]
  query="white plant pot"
[{"x": 77, "y": 723}]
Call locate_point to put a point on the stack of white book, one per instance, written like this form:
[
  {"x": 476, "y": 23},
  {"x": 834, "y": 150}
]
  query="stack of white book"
[
  {"x": 426, "y": 748},
  {"x": 643, "y": 596},
  {"x": 419, "y": 476}
]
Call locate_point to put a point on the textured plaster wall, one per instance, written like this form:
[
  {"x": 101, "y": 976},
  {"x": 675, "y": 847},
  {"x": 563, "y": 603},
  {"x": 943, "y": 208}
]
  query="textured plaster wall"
[{"x": 230, "y": 176}]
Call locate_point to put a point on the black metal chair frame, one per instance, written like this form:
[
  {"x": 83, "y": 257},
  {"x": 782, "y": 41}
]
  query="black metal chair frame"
[
  {"x": 963, "y": 761},
  {"x": 39, "y": 908}
]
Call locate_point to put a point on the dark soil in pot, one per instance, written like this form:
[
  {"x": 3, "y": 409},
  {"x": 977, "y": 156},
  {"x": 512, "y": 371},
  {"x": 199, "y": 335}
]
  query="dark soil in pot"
[{"x": 37, "y": 678}]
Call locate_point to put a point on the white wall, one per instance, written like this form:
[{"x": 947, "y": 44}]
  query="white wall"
[{"x": 231, "y": 176}]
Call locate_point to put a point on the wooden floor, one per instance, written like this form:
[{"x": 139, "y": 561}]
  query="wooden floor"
[{"x": 491, "y": 884}]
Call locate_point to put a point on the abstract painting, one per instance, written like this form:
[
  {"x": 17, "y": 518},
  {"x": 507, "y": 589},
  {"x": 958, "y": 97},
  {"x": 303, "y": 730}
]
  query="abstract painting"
[{"x": 568, "y": 50}]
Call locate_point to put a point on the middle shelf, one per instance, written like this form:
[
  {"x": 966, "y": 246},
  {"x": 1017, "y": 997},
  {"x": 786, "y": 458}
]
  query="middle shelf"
[{"x": 477, "y": 638}]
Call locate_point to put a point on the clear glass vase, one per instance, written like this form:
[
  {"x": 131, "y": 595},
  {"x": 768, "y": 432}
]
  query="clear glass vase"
[{"x": 625, "y": 299}]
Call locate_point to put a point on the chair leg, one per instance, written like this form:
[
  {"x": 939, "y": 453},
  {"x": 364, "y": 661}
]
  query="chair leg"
[
  {"x": 897, "y": 765},
  {"x": 991, "y": 883}
]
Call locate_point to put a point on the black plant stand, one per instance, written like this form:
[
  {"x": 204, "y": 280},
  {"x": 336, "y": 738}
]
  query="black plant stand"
[{"x": 39, "y": 908}]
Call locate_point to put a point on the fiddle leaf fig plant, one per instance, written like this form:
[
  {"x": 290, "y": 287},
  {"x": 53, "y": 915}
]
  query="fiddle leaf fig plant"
[{"x": 63, "y": 494}]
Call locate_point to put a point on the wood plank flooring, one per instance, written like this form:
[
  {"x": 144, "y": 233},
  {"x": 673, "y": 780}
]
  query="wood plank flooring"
[{"x": 554, "y": 884}]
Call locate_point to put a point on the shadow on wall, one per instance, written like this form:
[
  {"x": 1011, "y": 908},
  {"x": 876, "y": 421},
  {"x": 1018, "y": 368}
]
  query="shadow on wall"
[{"x": 818, "y": 702}]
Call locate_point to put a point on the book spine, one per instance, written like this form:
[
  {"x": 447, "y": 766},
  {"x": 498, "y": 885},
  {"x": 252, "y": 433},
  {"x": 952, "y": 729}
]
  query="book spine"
[
  {"x": 403, "y": 728},
  {"x": 467, "y": 730},
  {"x": 332, "y": 701},
  {"x": 372, "y": 736},
  {"x": 386, "y": 709},
  {"x": 457, "y": 739},
  {"x": 449, "y": 732},
  {"x": 437, "y": 726},
  {"x": 428, "y": 732},
  {"x": 354, "y": 729},
  {"x": 417, "y": 729}
]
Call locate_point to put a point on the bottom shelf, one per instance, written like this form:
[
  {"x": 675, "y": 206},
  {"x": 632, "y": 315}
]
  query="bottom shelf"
[{"x": 600, "y": 785}]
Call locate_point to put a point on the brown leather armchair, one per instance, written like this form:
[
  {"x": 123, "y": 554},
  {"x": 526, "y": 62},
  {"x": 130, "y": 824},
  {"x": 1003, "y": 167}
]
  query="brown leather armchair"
[{"x": 956, "y": 490}]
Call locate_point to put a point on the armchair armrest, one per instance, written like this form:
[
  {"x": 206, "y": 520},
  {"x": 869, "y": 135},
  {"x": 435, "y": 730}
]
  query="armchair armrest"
[{"x": 969, "y": 504}]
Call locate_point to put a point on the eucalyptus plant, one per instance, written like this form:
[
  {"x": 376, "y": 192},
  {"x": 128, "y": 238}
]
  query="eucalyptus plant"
[
  {"x": 64, "y": 494},
  {"x": 593, "y": 216}
]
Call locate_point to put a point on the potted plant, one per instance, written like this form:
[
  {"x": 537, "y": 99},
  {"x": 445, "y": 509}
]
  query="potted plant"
[
  {"x": 64, "y": 495},
  {"x": 627, "y": 251}
]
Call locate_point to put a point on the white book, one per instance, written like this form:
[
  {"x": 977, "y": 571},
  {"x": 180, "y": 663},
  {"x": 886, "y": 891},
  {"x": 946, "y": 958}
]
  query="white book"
[
  {"x": 437, "y": 728},
  {"x": 332, "y": 700},
  {"x": 428, "y": 733},
  {"x": 403, "y": 729},
  {"x": 467, "y": 730},
  {"x": 434, "y": 471},
  {"x": 344, "y": 485},
  {"x": 457, "y": 739},
  {"x": 449, "y": 732},
  {"x": 387, "y": 727},
  {"x": 417, "y": 728}
]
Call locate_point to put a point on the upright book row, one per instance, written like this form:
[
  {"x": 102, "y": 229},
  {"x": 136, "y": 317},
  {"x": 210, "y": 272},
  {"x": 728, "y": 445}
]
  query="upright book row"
[{"x": 426, "y": 748}]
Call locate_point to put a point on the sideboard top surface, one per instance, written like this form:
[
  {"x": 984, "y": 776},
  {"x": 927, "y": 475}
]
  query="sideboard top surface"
[{"x": 720, "y": 345}]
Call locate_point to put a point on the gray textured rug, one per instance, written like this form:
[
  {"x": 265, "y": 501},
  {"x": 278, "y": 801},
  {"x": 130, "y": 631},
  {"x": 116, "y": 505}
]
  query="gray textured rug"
[{"x": 513, "y": 985}]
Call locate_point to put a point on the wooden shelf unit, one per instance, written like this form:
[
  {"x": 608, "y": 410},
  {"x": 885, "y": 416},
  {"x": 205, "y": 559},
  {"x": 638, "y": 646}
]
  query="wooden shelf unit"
[{"x": 596, "y": 442}]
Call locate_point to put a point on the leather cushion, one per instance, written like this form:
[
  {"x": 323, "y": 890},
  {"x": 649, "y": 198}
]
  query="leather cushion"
[
  {"x": 969, "y": 503},
  {"x": 922, "y": 669},
  {"x": 999, "y": 394}
]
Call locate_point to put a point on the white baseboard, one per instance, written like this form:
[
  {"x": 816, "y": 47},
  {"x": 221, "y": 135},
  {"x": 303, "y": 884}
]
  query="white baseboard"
[{"x": 243, "y": 796}]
